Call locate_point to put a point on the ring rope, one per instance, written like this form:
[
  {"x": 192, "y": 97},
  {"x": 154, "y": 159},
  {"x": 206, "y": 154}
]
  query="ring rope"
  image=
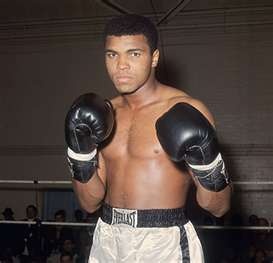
[
  {"x": 33, "y": 182},
  {"x": 69, "y": 182},
  {"x": 48, "y": 223}
]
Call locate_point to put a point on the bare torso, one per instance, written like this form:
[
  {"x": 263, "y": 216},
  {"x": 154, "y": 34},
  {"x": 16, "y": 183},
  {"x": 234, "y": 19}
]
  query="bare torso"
[{"x": 138, "y": 172}]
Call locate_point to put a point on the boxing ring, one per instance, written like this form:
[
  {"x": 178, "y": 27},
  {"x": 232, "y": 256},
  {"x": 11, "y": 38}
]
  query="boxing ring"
[
  {"x": 211, "y": 235},
  {"x": 41, "y": 183}
]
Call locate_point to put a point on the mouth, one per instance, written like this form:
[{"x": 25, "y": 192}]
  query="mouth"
[{"x": 123, "y": 79}]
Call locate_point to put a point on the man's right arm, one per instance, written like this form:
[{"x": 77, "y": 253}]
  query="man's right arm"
[
  {"x": 91, "y": 193},
  {"x": 88, "y": 123}
]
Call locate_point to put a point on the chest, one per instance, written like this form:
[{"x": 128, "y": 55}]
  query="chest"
[{"x": 135, "y": 135}]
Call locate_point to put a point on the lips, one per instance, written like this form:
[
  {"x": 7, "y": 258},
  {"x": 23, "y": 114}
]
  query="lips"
[{"x": 123, "y": 78}]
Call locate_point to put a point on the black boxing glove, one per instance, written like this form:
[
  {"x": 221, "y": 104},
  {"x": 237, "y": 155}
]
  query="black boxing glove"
[
  {"x": 88, "y": 122},
  {"x": 186, "y": 135}
]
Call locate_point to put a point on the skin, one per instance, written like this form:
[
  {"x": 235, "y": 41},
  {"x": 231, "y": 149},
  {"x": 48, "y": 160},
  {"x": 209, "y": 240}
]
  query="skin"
[
  {"x": 66, "y": 259},
  {"x": 134, "y": 171}
]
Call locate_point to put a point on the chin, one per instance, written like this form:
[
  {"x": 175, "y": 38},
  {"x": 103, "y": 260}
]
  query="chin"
[{"x": 126, "y": 90}]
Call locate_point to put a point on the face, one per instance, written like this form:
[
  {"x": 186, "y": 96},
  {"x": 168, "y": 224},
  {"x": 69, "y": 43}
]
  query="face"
[
  {"x": 129, "y": 62},
  {"x": 31, "y": 213},
  {"x": 66, "y": 259},
  {"x": 59, "y": 218},
  {"x": 68, "y": 245}
]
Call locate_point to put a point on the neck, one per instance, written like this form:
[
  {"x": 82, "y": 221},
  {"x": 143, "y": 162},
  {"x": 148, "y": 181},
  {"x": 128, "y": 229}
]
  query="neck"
[{"x": 146, "y": 94}]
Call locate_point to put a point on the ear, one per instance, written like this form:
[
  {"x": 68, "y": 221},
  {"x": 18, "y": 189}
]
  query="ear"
[{"x": 155, "y": 58}]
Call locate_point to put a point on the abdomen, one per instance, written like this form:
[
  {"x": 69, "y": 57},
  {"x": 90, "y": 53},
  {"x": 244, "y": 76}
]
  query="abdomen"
[{"x": 146, "y": 183}]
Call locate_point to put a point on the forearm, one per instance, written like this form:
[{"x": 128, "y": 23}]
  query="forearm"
[
  {"x": 90, "y": 194},
  {"x": 187, "y": 133},
  {"x": 217, "y": 203}
]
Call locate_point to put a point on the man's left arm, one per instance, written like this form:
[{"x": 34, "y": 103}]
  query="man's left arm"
[
  {"x": 187, "y": 133},
  {"x": 215, "y": 201}
]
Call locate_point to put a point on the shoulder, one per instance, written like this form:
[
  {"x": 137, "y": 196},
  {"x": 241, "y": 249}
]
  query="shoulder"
[{"x": 197, "y": 104}]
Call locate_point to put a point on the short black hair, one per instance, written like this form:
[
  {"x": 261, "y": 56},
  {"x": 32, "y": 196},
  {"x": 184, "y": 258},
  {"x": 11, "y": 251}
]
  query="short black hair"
[
  {"x": 60, "y": 212},
  {"x": 132, "y": 24},
  {"x": 32, "y": 207}
]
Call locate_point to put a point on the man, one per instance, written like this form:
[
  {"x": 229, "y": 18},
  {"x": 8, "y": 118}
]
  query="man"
[
  {"x": 55, "y": 235},
  {"x": 31, "y": 235},
  {"x": 66, "y": 258},
  {"x": 10, "y": 242},
  {"x": 67, "y": 248},
  {"x": 125, "y": 155}
]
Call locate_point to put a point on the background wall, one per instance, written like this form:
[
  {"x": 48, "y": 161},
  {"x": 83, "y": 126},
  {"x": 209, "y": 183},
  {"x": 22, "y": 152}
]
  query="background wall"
[{"x": 221, "y": 55}]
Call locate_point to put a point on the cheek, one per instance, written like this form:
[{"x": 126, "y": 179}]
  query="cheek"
[
  {"x": 144, "y": 70},
  {"x": 109, "y": 68}
]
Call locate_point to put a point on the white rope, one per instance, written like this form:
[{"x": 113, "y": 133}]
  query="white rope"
[
  {"x": 18, "y": 222},
  {"x": 48, "y": 223},
  {"x": 68, "y": 224},
  {"x": 209, "y": 227},
  {"x": 235, "y": 227},
  {"x": 69, "y": 182},
  {"x": 33, "y": 182},
  {"x": 253, "y": 183}
]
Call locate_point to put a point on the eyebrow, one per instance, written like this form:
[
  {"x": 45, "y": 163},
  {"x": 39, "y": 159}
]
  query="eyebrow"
[
  {"x": 110, "y": 50},
  {"x": 128, "y": 51},
  {"x": 134, "y": 49}
]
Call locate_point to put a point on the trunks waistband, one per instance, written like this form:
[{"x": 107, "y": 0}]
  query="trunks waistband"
[{"x": 144, "y": 218}]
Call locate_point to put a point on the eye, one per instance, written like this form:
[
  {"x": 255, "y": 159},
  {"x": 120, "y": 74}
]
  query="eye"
[
  {"x": 135, "y": 54},
  {"x": 111, "y": 55}
]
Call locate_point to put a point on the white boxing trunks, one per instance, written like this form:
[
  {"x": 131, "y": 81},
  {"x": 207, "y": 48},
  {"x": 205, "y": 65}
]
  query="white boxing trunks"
[{"x": 139, "y": 236}]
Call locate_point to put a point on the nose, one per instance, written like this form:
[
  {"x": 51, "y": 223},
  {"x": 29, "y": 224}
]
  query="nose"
[{"x": 123, "y": 63}]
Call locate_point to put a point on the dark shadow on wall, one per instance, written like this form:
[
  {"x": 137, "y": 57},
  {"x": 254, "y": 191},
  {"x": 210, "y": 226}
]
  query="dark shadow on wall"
[
  {"x": 236, "y": 200},
  {"x": 218, "y": 243},
  {"x": 169, "y": 73}
]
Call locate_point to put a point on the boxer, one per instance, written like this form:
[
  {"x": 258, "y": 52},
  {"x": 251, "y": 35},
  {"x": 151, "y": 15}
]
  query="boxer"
[{"x": 125, "y": 155}]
